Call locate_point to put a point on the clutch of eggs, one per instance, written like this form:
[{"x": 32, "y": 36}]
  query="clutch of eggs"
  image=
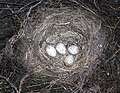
[{"x": 61, "y": 49}]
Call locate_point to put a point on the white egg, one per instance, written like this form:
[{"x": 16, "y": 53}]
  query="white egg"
[
  {"x": 50, "y": 50},
  {"x": 69, "y": 60},
  {"x": 61, "y": 49},
  {"x": 73, "y": 49}
]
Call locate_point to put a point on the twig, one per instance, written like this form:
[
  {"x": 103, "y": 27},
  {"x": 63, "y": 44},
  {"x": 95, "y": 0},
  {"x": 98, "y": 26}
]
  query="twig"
[
  {"x": 113, "y": 55},
  {"x": 27, "y": 5},
  {"x": 8, "y": 3},
  {"x": 13, "y": 86},
  {"x": 28, "y": 13},
  {"x": 21, "y": 83},
  {"x": 16, "y": 13}
]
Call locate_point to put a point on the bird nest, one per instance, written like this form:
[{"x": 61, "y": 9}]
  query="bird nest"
[{"x": 62, "y": 40}]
